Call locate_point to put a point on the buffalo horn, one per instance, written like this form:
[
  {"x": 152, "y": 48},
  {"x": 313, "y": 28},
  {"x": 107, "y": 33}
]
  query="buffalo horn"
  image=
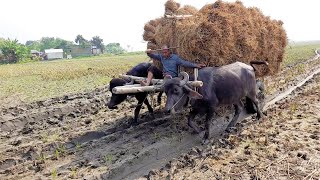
[{"x": 185, "y": 78}]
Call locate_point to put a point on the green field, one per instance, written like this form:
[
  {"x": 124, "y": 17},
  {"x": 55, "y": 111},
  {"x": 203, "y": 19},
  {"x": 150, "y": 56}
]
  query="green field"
[
  {"x": 299, "y": 52},
  {"x": 41, "y": 80}
]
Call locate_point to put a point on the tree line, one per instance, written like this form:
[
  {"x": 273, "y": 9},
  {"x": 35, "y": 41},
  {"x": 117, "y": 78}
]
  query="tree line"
[{"x": 13, "y": 51}]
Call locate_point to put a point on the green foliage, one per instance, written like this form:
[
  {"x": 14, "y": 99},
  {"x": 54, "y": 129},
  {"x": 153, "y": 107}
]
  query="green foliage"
[
  {"x": 49, "y": 43},
  {"x": 13, "y": 51},
  {"x": 80, "y": 40},
  {"x": 114, "y": 48},
  {"x": 54, "y": 174},
  {"x": 108, "y": 158}
]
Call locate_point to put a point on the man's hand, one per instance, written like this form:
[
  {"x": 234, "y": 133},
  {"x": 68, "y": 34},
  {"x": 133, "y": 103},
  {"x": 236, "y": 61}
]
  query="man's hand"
[
  {"x": 201, "y": 66},
  {"x": 148, "y": 51}
]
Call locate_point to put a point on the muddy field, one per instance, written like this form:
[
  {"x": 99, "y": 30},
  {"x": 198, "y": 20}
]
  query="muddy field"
[{"x": 77, "y": 137}]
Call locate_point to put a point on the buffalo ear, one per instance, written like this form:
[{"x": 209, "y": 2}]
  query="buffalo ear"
[{"x": 193, "y": 94}]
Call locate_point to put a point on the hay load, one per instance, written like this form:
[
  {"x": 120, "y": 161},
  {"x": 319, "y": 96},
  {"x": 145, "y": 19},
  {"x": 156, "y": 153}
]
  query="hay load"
[{"x": 219, "y": 34}]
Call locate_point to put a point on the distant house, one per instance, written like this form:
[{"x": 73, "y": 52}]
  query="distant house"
[
  {"x": 76, "y": 51},
  {"x": 35, "y": 53},
  {"x": 53, "y": 54},
  {"x": 95, "y": 50},
  {"x": 88, "y": 50}
]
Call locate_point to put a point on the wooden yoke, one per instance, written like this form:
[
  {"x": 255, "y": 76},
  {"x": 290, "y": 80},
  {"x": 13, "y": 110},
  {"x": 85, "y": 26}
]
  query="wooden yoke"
[
  {"x": 195, "y": 74},
  {"x": 135, "y": 88}
]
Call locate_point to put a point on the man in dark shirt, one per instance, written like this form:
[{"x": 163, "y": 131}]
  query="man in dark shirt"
[{"x": 170, "y": 63}]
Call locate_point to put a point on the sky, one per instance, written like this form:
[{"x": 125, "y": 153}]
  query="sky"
[{"x": 122, "y": 21}]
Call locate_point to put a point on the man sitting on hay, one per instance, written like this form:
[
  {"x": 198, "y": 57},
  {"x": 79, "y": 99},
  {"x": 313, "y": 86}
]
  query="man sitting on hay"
[{"x": 170, "y": 63}]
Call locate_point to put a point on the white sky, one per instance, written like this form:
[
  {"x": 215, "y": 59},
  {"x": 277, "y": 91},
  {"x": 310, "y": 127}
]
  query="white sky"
[{"x": 122, "y": 21}]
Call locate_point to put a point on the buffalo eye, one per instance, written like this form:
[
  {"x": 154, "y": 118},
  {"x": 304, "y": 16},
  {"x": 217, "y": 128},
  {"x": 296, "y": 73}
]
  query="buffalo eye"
[{"x": 176, "y": 91}]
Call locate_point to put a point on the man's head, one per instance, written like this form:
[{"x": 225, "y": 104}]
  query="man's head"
[{"x": 165, "y": 51}]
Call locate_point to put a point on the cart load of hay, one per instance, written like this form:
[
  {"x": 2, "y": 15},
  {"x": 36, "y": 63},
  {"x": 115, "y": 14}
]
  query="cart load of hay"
[{"x": 219, "y": 34}]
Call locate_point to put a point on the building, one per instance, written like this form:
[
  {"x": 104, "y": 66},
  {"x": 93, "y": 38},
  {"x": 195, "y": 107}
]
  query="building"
[
  {"x": 35, "y": 52},
  {"x": 53, "y": 54},
  {"x": 78, "y": 51},
  {"x": 95, "y": 50}
]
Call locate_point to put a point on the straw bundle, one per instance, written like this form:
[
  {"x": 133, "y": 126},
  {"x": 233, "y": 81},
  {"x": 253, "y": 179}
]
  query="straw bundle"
[{"x": 222, "y": 33}]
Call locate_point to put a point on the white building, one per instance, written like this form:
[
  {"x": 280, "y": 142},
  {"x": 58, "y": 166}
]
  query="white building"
[{"x": 54, "y": 53}]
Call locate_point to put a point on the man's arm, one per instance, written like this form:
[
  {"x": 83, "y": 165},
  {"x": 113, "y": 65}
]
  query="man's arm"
[
  {"x": 153, "y": 56},
  {"x": 185, "y": 63}
]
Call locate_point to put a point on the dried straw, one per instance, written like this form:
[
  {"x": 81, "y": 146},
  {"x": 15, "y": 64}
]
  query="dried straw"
[{"x": 222, "y": 33}]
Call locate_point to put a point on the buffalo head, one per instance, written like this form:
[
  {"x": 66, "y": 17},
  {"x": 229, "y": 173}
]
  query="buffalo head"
[{"x": 178, "y": 92}]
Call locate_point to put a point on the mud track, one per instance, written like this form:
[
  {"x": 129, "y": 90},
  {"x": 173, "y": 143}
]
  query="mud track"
[{"x": 76, "y": 136}]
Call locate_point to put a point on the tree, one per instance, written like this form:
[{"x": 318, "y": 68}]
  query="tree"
[
  {"x": 49, "y": 43},
  {"x": 33, "y": 45},
  {"x": 114, "y": 48},
  {"x": 80, "y": 40},
  {"x": 29, "y": 43},
  {"x": 13, "y": 51},
  {"x": 98, "y": 42},
  {"x": 62, "y": 44}
]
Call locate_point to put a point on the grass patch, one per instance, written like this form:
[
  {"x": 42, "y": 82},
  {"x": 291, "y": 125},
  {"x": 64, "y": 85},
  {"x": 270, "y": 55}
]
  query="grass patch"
[
  {"x": 299, "y": 52},
  {"x": 41, "y": 80}
]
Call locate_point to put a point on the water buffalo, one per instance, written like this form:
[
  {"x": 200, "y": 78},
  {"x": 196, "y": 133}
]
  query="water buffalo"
[
  {"x": 140, "y": 70},
  {"x": 223, "y": 85}
]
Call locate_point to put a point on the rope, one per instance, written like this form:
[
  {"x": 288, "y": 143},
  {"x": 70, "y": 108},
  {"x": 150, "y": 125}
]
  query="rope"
[{"x": 177, "y": 102}]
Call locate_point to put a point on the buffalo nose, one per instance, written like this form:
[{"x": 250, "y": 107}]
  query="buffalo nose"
[{"x": 110, "y": 106}]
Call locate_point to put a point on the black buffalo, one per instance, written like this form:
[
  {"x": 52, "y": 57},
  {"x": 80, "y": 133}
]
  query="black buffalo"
[
  {"x": 140, "y": 70},
  {"x": 223, "y": 85}
]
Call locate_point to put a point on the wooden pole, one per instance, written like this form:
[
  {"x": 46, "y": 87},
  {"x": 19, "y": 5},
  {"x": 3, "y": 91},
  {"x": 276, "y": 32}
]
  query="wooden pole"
[
  {"x": 136, "y": 78},
  {"x": 128, "y": 89},
  {"x": 137, "y": 89},
  {"x": 196, "y": 70},
  {"x": 178, "y": 16},
  {"x": 161, "y": 49},
  {"x": 160, "y": 81}
]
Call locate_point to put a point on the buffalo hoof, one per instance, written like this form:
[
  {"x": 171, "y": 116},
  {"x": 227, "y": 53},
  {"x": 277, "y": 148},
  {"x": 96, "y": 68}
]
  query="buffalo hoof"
[
  {"x": 133, "y": 122},
  {"x": 205, "y": 141},
  {"x": 114, "y": 107},
  {"x": 194, "y": 127},
  {"x": 231, "y": 129},
  {"x": 259, "y": 116},
  {"x": 206, "y": 136},
  {"x": 262, "y": 118}
]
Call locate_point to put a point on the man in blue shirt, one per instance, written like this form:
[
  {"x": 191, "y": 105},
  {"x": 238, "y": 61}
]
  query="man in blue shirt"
[{"x": 170, "y": 63}]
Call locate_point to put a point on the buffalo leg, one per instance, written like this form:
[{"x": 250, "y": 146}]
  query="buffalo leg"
[
  {"x": 252, "y": 96},
  {"x": 140, "y": 99},
  {"x": 159, "y": 98},
  {"x": 193, "y": 114},
  {"x": 238, "y": 108},
  {"x": 207, "y": 123},
  {"x": 150, "y": 109},
  {"x": 255, "y": 101}
]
